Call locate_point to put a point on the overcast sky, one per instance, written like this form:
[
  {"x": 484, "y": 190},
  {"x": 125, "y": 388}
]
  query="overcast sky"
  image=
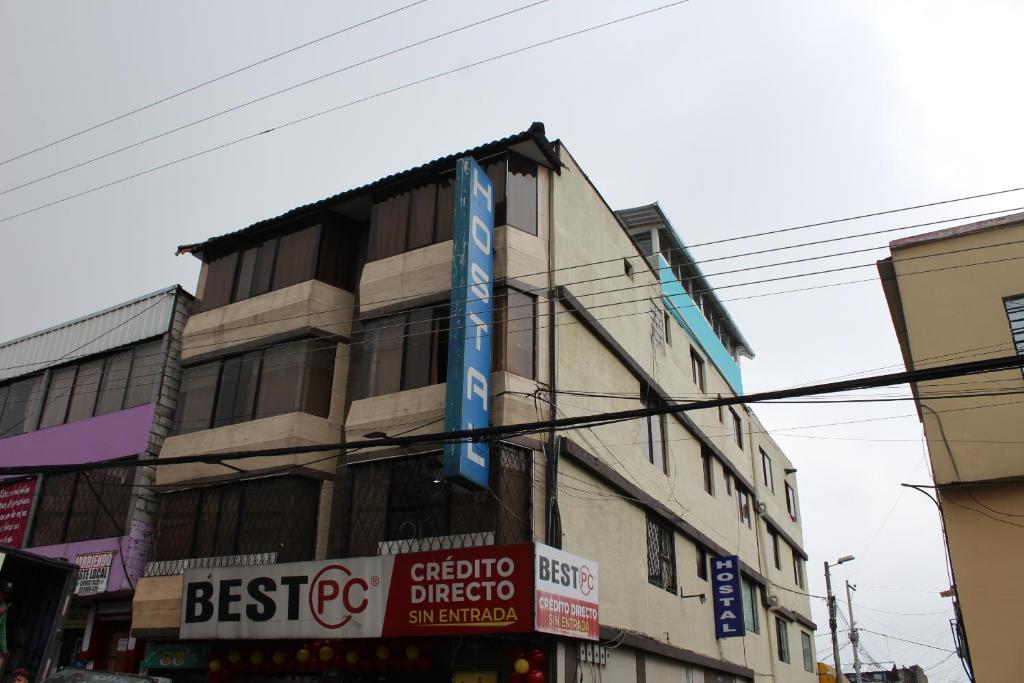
[{"x": 736, "y": 116}]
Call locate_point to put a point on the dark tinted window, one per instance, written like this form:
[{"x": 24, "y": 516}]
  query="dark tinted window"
[
  {"x": 19, "y": 409},
  {"x": 246, "y": 268},
  {"x": 403, "y": 351},
  {"x": 445, "y": 220},
  {"x": 276, "y": 514},
  {"x": 521, "y": 194},
  {"x": 81, "y": 506},
  {"x": 292, "y": 377},
  {"x": 387, "y": 227},
  {"x": 58, "y": 396},
  {"x": 220, "y": 281},
  {"x": 147, "y": 367},
  {"x": 421, "y": 216},
  {"x": 85, "y": 389},
  {"x": 296, "y": 257},
  {"x": 114, "y": 383}
]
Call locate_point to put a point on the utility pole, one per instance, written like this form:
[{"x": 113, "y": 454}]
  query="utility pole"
[
  {"x": 854, "y": 637},
  {"x": 831, "y": 600}
]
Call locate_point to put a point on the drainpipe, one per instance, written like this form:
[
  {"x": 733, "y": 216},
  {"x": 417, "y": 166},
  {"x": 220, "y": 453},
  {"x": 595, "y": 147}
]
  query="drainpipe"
[{"x": 553, "y": 533}]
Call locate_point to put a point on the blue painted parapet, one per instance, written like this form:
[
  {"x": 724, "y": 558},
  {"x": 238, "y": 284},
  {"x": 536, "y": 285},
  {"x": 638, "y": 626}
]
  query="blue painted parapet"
[{"x": 686, "y": 313}]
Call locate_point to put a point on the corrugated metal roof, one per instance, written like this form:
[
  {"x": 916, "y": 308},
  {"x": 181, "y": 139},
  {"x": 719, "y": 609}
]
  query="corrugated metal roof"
[
  {"x": 652, "y": 216},
  {"x": 135, "y": 320},
  {"x": 535, "y": 134}
]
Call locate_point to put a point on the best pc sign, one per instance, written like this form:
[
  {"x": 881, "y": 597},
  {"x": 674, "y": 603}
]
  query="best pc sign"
[
  {"x": 490, "y": 589},
  {"x": 566, "y": 594},
  {"x": 470, "y": 590}
]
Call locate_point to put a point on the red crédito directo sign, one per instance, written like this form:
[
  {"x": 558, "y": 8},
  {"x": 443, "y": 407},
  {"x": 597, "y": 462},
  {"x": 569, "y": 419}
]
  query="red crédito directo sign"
[{"x": 469, "y": 590}]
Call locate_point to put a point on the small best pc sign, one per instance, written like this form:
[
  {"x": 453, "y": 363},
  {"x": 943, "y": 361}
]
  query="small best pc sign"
[
  {"x": 728, "y": 601},
  {"x": 469, "y": 334}
]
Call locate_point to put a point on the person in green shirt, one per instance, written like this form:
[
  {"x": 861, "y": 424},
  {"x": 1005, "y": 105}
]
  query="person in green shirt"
[{"x": 6, "y": 588}]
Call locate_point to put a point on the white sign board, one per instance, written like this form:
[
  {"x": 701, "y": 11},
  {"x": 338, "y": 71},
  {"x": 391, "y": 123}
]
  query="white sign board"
[
  {"x": 93, "y": 572},
  {"x": 565, "y": 588}
]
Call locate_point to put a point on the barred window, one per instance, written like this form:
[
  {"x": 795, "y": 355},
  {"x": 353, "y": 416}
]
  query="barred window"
[
  {"x": 661, "y": 554},
  {"x": 404, "y": 505},
  {"x": 81, "y": 506},
  {"x": 273, "y": 514}
]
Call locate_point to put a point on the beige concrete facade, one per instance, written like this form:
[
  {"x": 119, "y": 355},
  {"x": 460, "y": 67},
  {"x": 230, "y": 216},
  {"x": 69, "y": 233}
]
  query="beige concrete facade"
[
  {"x": 580, "y": 245},
  {"x": 945, "y": 292}
]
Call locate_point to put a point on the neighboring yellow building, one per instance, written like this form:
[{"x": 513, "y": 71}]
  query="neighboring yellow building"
[{"x": 957, "y": 295}]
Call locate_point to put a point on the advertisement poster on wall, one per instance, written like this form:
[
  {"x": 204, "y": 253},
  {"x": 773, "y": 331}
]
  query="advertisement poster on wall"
[
  {"x": 15, "y": 508},
  {"x": 93, "y": 572},
  {"x": 566, "y": 601}
]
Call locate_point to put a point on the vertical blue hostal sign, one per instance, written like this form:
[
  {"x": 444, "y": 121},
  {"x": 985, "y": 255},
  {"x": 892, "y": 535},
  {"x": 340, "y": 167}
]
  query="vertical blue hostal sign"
[
  {"x": 728, "y": 601},
  {"x": 469, "y": 335}
]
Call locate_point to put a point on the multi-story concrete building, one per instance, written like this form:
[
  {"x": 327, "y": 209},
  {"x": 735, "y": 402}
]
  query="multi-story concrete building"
[
  {"x": 328, "y": 327},
  {"x": 99, "y": 388},
  {"x": 955, "y": 295}
]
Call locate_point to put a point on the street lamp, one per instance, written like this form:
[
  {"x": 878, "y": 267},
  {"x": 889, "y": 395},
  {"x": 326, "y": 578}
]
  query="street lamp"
[{"x": 831, "y": 599}]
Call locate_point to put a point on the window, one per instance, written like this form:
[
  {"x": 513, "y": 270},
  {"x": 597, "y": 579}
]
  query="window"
[
  {"x": 119, "y": 381},
  {"x": 515, "y": 315},
  {"x": 424, "y": 214},
  {"x": 627, "y": 268},
  {"x": 661, "y": 555},
  {"x": 782, "y": 639},
  {"x": 798, "y": 570},
  {"x": 728, "y": 480},
  {"x": 668, "y": 328},
  {"x": 743, "y": 497},
  {"x": 81, "y": 506},
  {"x": 1015, "y": 314},
  {"x": 737, "y": 428},
  {"x": 776, "y": 555},
  {"x": 749, "y": 593},
  {"x": 702, "y": 563},
  {"x": 791, "y": 502},
  {"x": 653, "y": 436},
  {"x": 291, "y": 377},
  {"x": 707, "y": 462},
  {"x": 323, "y": 252},
  {"x": 721, "y": 412},
  {"x": 275, "y": 514},
  {"x": 403, "y": 505},
  {"x": 697, "y": 368},
  {"x": 808, "y": 649},
  {"x": 766, "y": 467}
]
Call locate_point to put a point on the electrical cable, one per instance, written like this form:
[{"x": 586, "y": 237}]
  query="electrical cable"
[
  {"x": 351, "y": 103},
  {"x": 913, "y": 642},
  {"x": 504, "y": 431},
  {"x": 262, "y": 98},
  {"x": 207, "y": 82}
]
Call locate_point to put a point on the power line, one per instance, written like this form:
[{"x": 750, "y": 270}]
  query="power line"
[
  {"x": 262, "y": 98},
  {"x": 912, "y": 642},
  {"x": 351, "y": 103},
  {"x": 207, "y": 82},
  {"x": 504, "y": 431}
]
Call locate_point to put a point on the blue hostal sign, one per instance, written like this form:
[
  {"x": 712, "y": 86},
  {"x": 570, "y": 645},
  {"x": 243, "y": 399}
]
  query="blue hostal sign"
[
  {"x": 728, "y": 601},
  {"x": 469, "y": 335}
]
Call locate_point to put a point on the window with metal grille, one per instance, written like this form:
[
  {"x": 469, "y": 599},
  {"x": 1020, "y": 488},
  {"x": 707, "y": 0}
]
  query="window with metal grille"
[
  {"x": 272, "y": 514},
  {"x": 661, "y": 554},
  {"x": 80, "y": 506},
  {"x": 404, "y": 505},
  {"x": 1014, "y": 306}
]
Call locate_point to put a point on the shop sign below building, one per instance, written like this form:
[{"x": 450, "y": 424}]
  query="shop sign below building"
[
  {"x": 15, "y": 505},
  {"x": 565, "y": 594},
  {"x": 728, "y": 601},
  {"x": 464, "y": 591},
  {"x": 467, "y": 401},
  {"x": 93, "y": 572}
]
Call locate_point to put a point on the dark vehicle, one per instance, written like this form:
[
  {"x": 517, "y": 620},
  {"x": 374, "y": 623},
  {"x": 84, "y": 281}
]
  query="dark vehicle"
[
  {"x": 37, "y": 604},
  {"x": 73, "y": 675}
]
